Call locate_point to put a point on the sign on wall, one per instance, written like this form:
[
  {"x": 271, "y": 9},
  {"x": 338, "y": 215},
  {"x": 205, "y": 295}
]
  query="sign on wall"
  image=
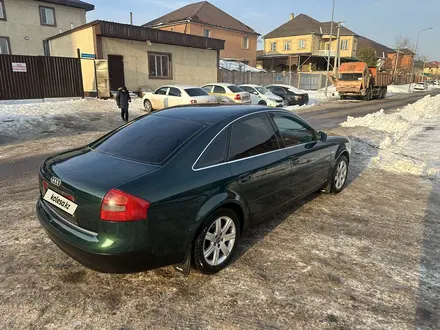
[
  {"x": 19, "y": 67},
  {"x": 88, "y": 56}
]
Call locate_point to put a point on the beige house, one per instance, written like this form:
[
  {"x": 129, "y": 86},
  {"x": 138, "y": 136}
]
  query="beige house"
[
  {"x": 115, "y": 55},
  {"x": 206, "y": 20},
  {"x": 25, "y": 24}
]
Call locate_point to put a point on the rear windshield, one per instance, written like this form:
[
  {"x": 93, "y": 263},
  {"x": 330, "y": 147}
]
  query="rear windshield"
[
  {"x": 150, "y": 139},
  {"x": 235, "y": 89},
  {"x": 196, "y": 92}
]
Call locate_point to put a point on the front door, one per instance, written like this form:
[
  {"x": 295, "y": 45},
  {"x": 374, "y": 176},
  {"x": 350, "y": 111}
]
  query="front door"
[
  {"x": 260, "y": 167},
  {"x": 310, "y": 157},
  {"x": 159, "y": 99},
  {"x": 116, "y": 71}
]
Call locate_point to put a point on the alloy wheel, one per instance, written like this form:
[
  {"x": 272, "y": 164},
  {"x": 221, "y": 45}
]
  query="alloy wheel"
[
  {"x": 341, "y": 175},
  {"x": 219, "y": 241}
]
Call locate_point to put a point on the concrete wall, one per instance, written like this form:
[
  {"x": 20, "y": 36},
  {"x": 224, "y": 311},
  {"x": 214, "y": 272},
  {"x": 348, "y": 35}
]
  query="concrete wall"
[
  {"x": 67, "y": 45},
  {"x": 23, "y": 22},
  {"x": 191, "y": 66}
]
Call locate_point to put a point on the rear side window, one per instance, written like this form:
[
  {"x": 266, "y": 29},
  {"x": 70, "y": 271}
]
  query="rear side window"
[
  {"x": 235, "y": 89},
  {"x": 219, "y": 90},
  {"x": 252, "y": 136},
  {"x": 216, "y": 152},
  {"x": 174, "y": 92},
  {"x": 150, "y": 139},
  {"x": 195, "y": 92}
]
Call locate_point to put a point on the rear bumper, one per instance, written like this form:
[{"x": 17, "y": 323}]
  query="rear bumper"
[{"x": 90, "y": 249}]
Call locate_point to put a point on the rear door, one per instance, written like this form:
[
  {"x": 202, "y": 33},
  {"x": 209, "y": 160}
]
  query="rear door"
[
  {"x": 260, "y": 167},
  {"x": 174, "y": 97},
  {"x": 159, "y": 99},
  {"x": 309, "y": 156}
]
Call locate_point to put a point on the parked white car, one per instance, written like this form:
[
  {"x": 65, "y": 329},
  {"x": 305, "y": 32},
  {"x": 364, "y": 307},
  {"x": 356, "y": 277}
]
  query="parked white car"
[
  {"x": 173, "y": 95},
  {"x": 421, "y": 86},
  {"x": 263, "y": 96},
  {"x": 231, "y": 91}
]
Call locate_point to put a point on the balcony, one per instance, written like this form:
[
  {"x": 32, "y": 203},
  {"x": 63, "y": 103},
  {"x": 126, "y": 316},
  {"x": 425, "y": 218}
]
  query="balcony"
[{"x": 324, "y": 52}]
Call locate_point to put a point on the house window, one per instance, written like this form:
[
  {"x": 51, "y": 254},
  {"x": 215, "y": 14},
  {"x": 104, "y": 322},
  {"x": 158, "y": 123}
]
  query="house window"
[
  {"x": 5, "y": 48},
  {"x": 301, "y": 44},
  {"x": 2, "y": 11},
  {"x": 159, "y": 65},
  {"x": 47, "y": 16},
  {"x": 287, "y": 45},
  {"x": 273, "y": 46},
  {"x": 207, "y": 33},
  {"x": 344, "y": 44},
  {"x": 245, "y": 42}
]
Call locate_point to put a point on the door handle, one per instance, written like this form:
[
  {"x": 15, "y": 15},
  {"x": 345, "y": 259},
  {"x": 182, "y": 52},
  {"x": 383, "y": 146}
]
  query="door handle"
[
  {"x": 245, "y": 177},
  {"x": 294, "y": 160}
]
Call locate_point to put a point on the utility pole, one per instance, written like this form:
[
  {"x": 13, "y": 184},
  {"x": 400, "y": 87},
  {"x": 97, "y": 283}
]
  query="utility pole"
[
  {"x": 338, "y": 50},
  {"x": 330, "y": 48},
  {"x": 396, "y": 66},
  {"x": 417, "y": 46}
]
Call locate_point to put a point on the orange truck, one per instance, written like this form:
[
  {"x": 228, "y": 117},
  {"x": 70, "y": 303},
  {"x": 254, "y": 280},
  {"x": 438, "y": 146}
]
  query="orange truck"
[{"x": 357, "y": 79}]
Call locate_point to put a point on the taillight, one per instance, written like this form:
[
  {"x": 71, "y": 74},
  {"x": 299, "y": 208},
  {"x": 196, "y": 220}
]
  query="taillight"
[
  {"x": 120, "y": 206},
  {"x": 237, "y": 97},
  {"x": 193, "y": 101},
  {"x": 45, "y": 185}
]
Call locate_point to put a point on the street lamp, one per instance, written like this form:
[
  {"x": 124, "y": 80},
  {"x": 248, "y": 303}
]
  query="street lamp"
[
  {"x": 330, "y": 48},
  {"x": 414, "y": 59}
]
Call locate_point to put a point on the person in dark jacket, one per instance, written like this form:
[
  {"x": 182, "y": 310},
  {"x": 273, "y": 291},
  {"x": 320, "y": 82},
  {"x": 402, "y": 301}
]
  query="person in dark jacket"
[{"x": 122, "y": 100}]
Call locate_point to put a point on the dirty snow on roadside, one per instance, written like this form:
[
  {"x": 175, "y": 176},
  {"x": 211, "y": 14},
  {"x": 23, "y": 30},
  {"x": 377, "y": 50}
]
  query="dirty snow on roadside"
[
  {"x": 407, "y": 139},
  {"x": 315, "y": 97},
  {"x": 23, "y": 121}
]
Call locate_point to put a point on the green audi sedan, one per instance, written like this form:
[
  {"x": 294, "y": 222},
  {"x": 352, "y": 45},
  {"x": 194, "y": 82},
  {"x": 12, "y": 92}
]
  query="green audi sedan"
[{"x": 180, "y": 186}]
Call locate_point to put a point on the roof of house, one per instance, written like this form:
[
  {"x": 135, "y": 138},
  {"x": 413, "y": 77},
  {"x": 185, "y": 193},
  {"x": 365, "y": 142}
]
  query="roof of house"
[
  {"x": 380, "y": 49},
  {"x": 71, "y": 3},
  {"x": 204, "y": 13},
  {"x": 404, "y": 51},
  {"x": 140, "y": 33},
  {"x": 303, "y": 24}
]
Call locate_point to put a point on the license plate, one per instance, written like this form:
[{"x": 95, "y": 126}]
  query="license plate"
[{"x": 60, "y": 201}]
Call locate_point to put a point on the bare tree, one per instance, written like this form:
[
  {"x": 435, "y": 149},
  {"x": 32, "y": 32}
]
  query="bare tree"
[{"x": 402, "y": 42}]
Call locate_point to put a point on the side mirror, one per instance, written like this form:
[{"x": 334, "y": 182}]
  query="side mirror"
[
  {"x": 255, "y": 93},
  {"x": 322, "y": 136}
]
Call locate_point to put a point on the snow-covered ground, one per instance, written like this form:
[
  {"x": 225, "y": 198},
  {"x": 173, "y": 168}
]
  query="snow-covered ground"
[
  {"x": 316, "y": 97},
  {"x": 407, "y": 139}
]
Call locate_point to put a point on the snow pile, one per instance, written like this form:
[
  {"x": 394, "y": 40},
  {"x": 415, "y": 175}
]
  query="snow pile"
[
  {"x": 398, "y": 123},
  {"x": 238, "y": 66},
  {"x": 407, "y": 139},
  {"x": 398, "y": 89}
]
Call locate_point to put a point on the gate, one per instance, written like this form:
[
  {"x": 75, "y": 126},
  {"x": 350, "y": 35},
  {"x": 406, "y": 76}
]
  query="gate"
[
  {"x": 311, "y": 81},
  {"x": 38, "y": 77}
]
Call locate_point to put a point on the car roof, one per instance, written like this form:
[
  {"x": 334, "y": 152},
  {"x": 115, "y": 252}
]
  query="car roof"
[
  {"x": 180, "y": 86},
  {"x": 211, "y": 114},
  {"x": 220, "y": 84},
  {"x": 250, "y": 85}
]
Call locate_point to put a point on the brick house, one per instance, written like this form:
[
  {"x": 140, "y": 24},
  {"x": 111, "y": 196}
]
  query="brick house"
[{"x": 403, "y": 62}]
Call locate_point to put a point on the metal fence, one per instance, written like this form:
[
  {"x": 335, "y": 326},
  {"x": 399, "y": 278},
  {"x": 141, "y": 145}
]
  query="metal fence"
[
  {"x": 258, "y": 78},
  {"x": 37, "y": 77}
]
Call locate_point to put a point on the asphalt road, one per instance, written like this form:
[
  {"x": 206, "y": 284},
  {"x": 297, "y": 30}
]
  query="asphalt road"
[
  {"x": 324, "y": 117},
  {"x": 328, "y": 116}
]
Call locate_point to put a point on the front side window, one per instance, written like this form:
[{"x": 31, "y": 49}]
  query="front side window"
[
  {"x": 287, "y": 45},
  {"x": 293, "y": 132},
  {"x": 207, "y": 33},
  {"x": 245, "y": 42},
  {"x": 174, "y": 92},
  {"x": 2, "y": 10},
  {"x": 273, "y": 46},
  {"x": 159, "y": 65},
  {"x": 4, "y": 45},
  {"x": 252, "y": 136},
  {"x": 219, "y": 90},
  {"x": 47, "y": 16},
  {"x": 207, "y": 88},
  {"x": 344, "y": 44},
  {"x": 216, "y": 152},
  {"x": 301, "y": 44},
  {"x": 162, "y": 91}
]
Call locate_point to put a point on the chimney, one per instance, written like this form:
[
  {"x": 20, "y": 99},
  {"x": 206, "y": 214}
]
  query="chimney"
[{"x": 292, "y": 16}]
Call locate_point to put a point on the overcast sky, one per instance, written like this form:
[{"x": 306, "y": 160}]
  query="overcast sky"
[{"x": 380, "y": 20}]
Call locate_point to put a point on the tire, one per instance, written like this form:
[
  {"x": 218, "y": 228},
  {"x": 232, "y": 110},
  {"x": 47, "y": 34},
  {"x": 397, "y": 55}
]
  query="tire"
[
  {"x": 384, "y": 92},
  {"x": 147, "y": 106},
  {"x": 262, "y": 103},
  {"x": 209, "y": 258},
  {"x": 339, "y": 175}
]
